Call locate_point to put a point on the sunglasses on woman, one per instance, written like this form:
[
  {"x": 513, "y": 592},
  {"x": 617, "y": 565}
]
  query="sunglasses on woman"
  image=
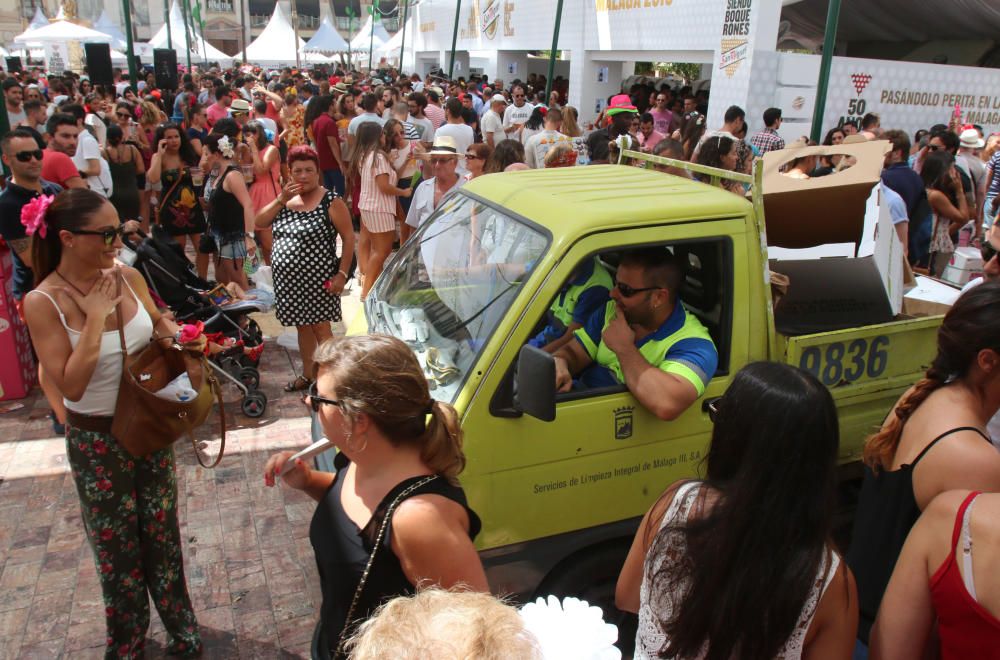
[
  {"x": 108, "y": 234},
  {"x": 472, "y": 157},
  {"x": 713, "y": 409},
  {"x": 316, "y": 401},
  {"x": 628, "y": 291},
  {"x": 26, "y": 156},
  {"x": 122, "y": 115}
]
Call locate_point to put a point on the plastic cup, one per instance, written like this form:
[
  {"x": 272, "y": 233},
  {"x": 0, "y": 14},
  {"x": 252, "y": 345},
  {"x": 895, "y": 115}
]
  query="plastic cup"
[
  {"x": 248, "y": 174},
  {"x": 197, "y": 177}
]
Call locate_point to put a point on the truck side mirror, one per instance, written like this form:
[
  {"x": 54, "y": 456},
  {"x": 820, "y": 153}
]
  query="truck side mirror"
[{"x": 536, "y": 384}]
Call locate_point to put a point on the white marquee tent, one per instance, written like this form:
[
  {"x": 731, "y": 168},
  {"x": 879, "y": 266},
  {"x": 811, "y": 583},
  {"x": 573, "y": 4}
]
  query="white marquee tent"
[
  {"x": 105, "y": 25},
  {"x": 61, "y": 32},
  {"x": 201, "y": 50},
  {"x": 363, "y": 39},
  {"x": 326, "y": 40},
  {"x": 277, "y": 43},
  {"x": 390, "y": 49}
]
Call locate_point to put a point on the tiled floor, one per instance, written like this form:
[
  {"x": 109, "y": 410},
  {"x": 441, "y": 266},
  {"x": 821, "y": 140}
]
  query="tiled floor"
[{"x": 249, "y": 564}]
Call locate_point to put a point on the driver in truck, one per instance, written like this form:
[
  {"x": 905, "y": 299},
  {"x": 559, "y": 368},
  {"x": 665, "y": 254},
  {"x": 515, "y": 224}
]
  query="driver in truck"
[{"x": 642, "y": 338}]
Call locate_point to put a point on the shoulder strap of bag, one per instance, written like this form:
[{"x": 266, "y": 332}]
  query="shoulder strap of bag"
[
  {"x": 217, "y": 388},
  {"x": 371, "y": 559},
  {"x": 163, "y": 202}
]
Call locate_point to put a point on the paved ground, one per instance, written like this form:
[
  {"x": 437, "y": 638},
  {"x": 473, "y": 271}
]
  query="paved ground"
[{"x": 249, "y": 564}]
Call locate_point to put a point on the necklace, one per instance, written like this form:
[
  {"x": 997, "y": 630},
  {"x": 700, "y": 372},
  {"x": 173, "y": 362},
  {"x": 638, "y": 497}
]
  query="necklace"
[{"x": 75, "y": 287}]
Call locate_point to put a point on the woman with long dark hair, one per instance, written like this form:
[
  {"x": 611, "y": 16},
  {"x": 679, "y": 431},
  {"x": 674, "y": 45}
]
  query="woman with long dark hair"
[
  {"x": 720, "y": 152},
  {"x": 266, "y": 186},
  {"x": 535, "y": 123},
  {"x": 506, "y": 153},
  {"x": 397, "y": 470},
  {"x": 128, "y": 504},
  {"x": 741, "y": 564},
  {"x": 125, "y": 164},
  {"x": 947, "y": 200},
  {"x": 904, "y": 466},
  {"x": 177, "y": 208}
]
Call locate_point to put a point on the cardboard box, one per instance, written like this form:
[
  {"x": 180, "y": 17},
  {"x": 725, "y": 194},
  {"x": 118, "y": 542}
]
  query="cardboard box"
[
  {"x": 833, "y": 237},
  {"x": 967, "y": 258},
  {"x": 929, "y": 297},
  {"x": 960, "y": 276},
  {"x": 18, "y": 372}
]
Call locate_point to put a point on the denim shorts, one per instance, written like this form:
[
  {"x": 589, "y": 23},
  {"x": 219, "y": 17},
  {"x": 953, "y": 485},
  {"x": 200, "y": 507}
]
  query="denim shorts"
[{"x": 231, "y": 246}]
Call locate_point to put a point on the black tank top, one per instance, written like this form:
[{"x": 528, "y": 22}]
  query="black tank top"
[
  {"x": 342, "y": 551},
  {"x": 225, "y": 215},
  {"x": 887, "y": 510}
]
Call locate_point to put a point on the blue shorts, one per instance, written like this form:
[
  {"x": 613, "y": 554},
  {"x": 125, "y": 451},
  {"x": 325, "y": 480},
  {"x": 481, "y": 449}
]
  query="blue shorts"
[
  {"x": 231, "y": 246},
  {"x": 334, "y": 180}
]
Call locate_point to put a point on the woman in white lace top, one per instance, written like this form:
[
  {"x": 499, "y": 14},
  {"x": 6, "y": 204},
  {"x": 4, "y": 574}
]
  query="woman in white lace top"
[{"x": 740, "y": 564}]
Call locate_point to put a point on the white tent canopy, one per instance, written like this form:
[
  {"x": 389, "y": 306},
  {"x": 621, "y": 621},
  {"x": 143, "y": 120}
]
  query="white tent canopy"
[
  {"x": 390, "y": 48},
  {"x": 61, "y": 32},
  {"x": 201, "y": 50},
  {"x": 326, "y": 40},
  {"x": 277, "y": 43},
  {"x": 363, "y": 39},
  {"x": 38, "y": 20},
  {"x": 105, "y": 25}
]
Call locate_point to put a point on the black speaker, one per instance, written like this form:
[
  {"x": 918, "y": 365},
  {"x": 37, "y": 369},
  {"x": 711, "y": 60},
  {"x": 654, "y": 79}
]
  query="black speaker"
[
  {"x": 99, "y": 63},
  {"x": 165, "y": 68},
  {"x": 14, "y": 65}
]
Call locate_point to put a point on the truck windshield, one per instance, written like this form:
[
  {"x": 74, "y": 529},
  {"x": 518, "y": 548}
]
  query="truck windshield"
[{"x": 450, "y": 284}]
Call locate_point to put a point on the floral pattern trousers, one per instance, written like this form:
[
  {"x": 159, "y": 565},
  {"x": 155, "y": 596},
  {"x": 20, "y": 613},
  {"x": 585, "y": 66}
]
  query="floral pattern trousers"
[{"x": 129, "y": 508}]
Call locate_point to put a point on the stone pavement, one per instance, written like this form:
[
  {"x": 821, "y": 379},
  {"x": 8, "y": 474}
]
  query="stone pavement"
[{"x": 249, "y": 564}]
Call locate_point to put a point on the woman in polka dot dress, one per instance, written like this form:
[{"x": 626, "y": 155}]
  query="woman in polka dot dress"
[{"x": 308, "y": 275}]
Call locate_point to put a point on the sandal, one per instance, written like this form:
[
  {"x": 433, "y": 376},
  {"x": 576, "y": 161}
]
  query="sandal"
[{"x": 298, "y": 385}]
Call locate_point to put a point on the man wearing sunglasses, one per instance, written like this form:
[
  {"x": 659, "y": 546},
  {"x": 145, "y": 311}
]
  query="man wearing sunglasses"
[
  {"x": 643, "y": 338},
  {"x": 20, "y": 153}
]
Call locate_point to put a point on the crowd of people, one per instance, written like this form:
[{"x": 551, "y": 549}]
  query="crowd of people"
[{"x": 319, "y": 175}]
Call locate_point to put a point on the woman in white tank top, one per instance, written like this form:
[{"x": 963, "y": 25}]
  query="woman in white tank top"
[
  {"x": 740, "y": 565},
  {"x": 129, "y": 504}
]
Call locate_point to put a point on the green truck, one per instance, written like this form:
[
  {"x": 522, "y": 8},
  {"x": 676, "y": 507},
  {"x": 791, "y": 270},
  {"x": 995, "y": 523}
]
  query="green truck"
[{"x": 561, "y": 481}]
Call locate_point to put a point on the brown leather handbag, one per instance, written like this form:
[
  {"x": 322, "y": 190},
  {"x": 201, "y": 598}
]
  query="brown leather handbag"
[{"x": 145, "y": 423}]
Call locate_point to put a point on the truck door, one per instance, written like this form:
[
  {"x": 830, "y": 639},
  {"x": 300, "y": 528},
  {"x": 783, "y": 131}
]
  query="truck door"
[{"x": 605, "y": 458}]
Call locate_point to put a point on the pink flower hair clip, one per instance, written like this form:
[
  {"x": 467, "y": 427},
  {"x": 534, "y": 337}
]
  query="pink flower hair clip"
[{"x": 33, "y": 215}]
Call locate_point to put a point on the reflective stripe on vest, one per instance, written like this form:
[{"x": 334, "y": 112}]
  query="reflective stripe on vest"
[
  {"x": 565, "y": 303},
  {"x": 654, "y": 350}
]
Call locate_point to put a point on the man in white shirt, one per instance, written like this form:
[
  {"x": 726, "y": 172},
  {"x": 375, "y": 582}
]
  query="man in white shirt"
[
  {"x": 539, "y": 144},
  {"x": 492, "y": 122},
  {"x": 444, "y": 156},
  {"x": 456, "y": 128},
  {"x": 515, "y": 116},
  {"x": 969, "y": 144},
  {"x": 14, "y": 95},
  {"x": 88, "y": 159}
]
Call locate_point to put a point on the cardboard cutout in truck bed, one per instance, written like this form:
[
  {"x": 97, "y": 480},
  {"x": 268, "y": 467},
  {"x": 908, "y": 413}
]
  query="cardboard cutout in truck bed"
[{"x": 833, "y": 238}]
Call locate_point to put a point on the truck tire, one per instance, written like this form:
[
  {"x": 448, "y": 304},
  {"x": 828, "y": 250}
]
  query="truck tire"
[{"x": 591, "y": 575}]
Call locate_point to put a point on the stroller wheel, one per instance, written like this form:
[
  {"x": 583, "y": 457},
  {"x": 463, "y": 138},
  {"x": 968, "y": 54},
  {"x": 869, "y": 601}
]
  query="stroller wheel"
[
  {"x": 254, "y": 404},
  {"x": 249, "y": 377}
]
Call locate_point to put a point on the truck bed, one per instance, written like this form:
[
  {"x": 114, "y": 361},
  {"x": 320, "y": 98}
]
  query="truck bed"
[{"x": 866, "y": 369}]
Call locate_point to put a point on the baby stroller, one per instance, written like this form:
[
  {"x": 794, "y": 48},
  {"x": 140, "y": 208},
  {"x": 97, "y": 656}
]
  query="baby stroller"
[{"x": 172, "y": 279}]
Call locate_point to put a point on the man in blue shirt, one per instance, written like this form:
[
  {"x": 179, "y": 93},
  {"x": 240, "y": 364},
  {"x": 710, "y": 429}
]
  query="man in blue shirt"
[
  {"x": 643, "y": 338},
  {"x": 899, "y": 177}
]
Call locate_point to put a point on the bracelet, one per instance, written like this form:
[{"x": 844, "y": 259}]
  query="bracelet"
[{"x": 340, "y": 272}]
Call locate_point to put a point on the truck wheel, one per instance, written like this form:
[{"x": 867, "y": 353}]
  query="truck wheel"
[{"x": 591, "y": 575}]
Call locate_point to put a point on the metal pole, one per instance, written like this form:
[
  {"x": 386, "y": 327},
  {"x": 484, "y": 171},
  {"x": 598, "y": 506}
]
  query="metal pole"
[
  {"x": 552, "y": 53},
  {"x": 402, "y": 40},
  {"x": 201, "y": 26},
  {"x": 186, "y": 13},
  {"x": 243, "y": 27},
  {"x": 371, "y": 42},
  {"x": 130, "y": 55},
  {"x": 350, "y": 38},
  {"x": 829, "y": 43},
  {"x": 166, "y": 13},
  {"x": 295, "y": 27},
  {"x": 454, "y": 40}
]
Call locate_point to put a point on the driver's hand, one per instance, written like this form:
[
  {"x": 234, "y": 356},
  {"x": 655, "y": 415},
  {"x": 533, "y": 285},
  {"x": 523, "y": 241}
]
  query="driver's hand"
[{"x": 564, "y": 379}]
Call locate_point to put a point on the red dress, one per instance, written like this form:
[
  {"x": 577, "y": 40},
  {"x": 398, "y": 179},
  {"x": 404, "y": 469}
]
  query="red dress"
[{"x": 966, "y": 628}]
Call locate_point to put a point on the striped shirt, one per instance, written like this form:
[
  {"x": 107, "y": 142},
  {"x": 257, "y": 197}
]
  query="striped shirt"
[{"x": 373, "y": 199}]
